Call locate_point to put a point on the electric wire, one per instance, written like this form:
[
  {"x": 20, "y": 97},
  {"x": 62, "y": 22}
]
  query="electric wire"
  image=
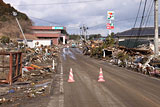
[
  {"x": 45, "y": 20},
  {"x": 117, "y": 21},
  {"x": 64, "y": 3},
  {"x": 141, "y": 24},
  {"x": 127, "y": 44},
  {"x": 90, "y": 27},
  {"x": 51, "y": 22},
  {"x": 149, "y": 9},
  {"x": 147, "y": 18}
]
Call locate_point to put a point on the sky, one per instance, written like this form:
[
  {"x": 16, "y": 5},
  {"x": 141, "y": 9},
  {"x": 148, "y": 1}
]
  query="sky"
[{"x": 91, "y": 13}]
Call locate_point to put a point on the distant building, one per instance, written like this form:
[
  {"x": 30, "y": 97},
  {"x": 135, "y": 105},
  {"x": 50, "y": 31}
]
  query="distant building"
[
  {"x": 56, "y": 34},
  {"x": 33, "y": 43},
  {"x": 134, "y": 37},
  {"x": 136, "y": 33},
  {"x": 45, "y": 35}
]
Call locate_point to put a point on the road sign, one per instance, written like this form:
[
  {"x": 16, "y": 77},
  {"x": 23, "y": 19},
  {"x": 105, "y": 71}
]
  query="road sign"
[
  {"x": 110, "y": 26},
  {"x": 110, "y": 15}
]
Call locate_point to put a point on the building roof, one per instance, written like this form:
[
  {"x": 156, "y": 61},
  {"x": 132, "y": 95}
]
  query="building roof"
[
  {"x": 47, "y": 35},
  {"x": 28, "y": 37},
  {"x": 147, "y": 31},
  {"x": 48, "y": 27}
]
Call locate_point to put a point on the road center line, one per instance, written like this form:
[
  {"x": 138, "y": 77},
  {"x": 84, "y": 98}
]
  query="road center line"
[{"x": 61, "y": 89}]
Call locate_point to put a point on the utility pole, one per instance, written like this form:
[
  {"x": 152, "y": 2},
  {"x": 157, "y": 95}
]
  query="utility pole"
[
  {"x": 81, "y": 34},
  {"x": 84, "y": 31},
  {"x": 25, "y": 40},
  {"x": 110, "y": 29},
  {"x": 156, "y": 40},
  {"x": 84, "y": 28}
]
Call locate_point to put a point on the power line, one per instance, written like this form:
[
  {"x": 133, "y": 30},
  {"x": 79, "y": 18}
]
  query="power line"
[
  {"x": 135, "y": 20},
  {"x": 117, "y": 21},
  {"x": 141, "y": 24},
  {"x": 45, "y": 20},
  {"x": 147, "y": 19},
  {"x": 51, "y": 22},
  {"x": 96, "y": 25},
  {"x": 91, "y": 27},
  {"x": 149, "y": 12},
  {"x": 60, "y": 3},
  {"x": 128, "y": 18}
]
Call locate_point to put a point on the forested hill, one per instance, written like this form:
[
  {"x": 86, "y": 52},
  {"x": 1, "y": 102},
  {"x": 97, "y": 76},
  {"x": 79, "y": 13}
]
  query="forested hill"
[{"x": 8, "y": 25}]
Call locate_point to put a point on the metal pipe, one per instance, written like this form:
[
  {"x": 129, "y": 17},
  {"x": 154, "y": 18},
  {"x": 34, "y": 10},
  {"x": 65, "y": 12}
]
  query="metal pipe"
[{"x": 22, "y": 31}]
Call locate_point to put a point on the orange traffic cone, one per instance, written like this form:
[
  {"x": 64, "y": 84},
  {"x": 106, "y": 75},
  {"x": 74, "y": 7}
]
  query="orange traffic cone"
[
  {"x": 71, "y": 79},
  {"x": 101, "y": 79}
]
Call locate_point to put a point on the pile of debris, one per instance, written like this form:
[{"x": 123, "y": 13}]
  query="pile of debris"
[
  {"x": 38, "y": 70},
  {"x": 138, "y": 59}
]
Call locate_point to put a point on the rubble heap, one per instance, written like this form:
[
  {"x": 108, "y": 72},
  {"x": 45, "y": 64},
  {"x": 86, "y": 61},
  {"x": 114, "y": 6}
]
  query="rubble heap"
[
  {"x": 138, "y": 59},
  {"x": 37, "y": 74}
]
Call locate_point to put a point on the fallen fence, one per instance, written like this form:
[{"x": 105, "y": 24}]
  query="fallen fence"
[{"x": 10, "y": 66}]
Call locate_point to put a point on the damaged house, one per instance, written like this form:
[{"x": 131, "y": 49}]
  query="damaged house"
[{"x": 137, "y": 37}]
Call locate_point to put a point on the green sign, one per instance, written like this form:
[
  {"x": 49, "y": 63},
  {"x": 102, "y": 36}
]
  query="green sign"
[{"x": 61, "y": 28}]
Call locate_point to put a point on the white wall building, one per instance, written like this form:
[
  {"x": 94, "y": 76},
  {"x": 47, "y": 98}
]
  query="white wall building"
[{"x": 33, "y": 43}]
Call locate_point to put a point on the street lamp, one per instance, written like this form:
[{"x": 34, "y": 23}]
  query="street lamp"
[{"x": 15, "y": 14}]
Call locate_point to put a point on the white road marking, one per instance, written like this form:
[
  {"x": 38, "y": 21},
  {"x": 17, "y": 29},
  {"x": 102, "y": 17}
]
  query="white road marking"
[
  {"x": 58, "y": 101},
  {"x": 61, "y": 90}
]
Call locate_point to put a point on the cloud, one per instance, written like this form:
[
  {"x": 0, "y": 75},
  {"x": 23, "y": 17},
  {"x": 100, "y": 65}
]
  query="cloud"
[{"x": 92, "y": 14}]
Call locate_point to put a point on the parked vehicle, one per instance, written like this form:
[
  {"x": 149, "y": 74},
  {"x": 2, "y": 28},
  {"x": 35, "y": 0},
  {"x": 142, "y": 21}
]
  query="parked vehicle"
[{"x": 73, "y": 45}]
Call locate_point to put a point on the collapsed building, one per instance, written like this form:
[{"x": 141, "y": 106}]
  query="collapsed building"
[{"x": 134, "y": 50}]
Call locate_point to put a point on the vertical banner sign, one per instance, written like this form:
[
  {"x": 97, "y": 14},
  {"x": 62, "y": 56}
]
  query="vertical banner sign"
[{"x": 110, "y": 15}]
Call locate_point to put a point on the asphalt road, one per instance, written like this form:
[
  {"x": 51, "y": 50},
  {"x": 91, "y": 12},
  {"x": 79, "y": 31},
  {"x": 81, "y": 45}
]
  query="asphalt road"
[{"x": 122, "y": 88}]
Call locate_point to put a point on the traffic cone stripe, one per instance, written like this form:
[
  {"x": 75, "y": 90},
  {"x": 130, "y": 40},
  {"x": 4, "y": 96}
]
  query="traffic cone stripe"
[
  {"x": 101, "y": 79},
  {"x": 100, "y": 76},
  {"x": 70, "y": 76}
]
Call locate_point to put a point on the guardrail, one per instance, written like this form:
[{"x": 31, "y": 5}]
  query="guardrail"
[{"x": 10, "y": 66}]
